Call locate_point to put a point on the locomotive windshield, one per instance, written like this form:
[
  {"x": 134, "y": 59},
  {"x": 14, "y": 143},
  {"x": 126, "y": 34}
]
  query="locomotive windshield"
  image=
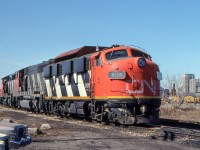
[
  {"x": 116, "y": 54},
  {"x": 139, "y": 54}
]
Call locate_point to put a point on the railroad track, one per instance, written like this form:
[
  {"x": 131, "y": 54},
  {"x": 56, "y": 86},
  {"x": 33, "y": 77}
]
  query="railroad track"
[
  {"x": 180, "y": 123},
  {"x": 188, "y": 131},
  {"x": 167, "y": 130},
  {"x": 163, "y": 122}
]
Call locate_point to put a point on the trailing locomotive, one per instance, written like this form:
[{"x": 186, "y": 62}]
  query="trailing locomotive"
[{"x": 109, "y": 84}]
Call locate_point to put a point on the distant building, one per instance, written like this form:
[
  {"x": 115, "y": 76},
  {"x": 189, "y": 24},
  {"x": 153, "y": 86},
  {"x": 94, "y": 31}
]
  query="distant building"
[
  {"x": 186, "y": 83},
  {"x": 194, "y": 86},
  {"x": 190, "y": 87}
]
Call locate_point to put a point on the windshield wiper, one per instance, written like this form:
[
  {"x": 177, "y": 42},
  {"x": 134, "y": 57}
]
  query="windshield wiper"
[{"x": 111, "y": 55}]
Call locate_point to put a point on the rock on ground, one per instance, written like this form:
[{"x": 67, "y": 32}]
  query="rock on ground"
[
  {"x": 45, "y": 127},
  {"x": 33, "y": 131}
]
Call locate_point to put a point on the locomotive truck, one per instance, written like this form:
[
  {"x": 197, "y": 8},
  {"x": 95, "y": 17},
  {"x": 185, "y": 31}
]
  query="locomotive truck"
[{"x": 118, "y": 84}]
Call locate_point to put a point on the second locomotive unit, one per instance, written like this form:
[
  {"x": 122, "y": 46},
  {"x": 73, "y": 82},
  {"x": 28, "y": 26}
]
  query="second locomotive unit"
[{"x": 109, "y": 84}]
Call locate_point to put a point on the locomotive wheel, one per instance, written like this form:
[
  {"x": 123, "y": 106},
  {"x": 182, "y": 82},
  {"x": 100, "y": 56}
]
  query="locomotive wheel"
[
  {"x": 61, "y": 110},
  {"x": 37, "y": 110},
  {"x": 18, "y": 104},
  {"x": 51, "y": 108},
  {"x": 31, "y": 105},
  {"x": 45, "y": 107},
  {"x": 86, "y": 110},
  {"x": 102, "y": 115}
]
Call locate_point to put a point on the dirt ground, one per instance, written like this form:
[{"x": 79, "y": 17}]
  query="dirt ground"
[{"x": 81, "y": 135}]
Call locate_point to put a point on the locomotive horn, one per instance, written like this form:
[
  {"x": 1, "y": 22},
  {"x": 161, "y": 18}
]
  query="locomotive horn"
[{"x": 97, "y": 48}]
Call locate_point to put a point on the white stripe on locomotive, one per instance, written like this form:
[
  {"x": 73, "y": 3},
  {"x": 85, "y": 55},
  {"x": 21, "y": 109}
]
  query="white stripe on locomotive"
[
  {"x": 57, "y": 86},
  {"x": 81, "y": 86},
  {"x": 33, "y": 82},
  {"x": 68, "y": 86},
  {"x": 89, "y": 72},
  {"x": 29, "y": 85},
  {"x": 39, "y": 82},
  {"x": 48, "y": 87}
]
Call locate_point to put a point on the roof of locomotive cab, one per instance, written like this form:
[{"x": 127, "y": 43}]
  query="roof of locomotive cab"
[
  {"x": 89, "y": 50},
  {"x": 140, "y": 50},
  {"x": 118, "y": 47},
  {"x": 129, "y": 47},
  {"x": 77, "y": 52}
]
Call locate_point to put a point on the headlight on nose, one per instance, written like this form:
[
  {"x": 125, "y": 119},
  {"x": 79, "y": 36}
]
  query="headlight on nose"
[
  {"x": 141, "y": 62},
  {"x": 143, "y": 109}
]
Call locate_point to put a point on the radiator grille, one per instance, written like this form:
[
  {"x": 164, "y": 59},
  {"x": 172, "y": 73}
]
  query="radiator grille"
[
  {"x": 6, "y": 145},
  {"x": 20, "y": 132}
]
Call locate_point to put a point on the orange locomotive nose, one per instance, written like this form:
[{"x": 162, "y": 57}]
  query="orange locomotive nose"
[
  {"x": 128, "y": 82},
  {"x": 143, "y": 79}
]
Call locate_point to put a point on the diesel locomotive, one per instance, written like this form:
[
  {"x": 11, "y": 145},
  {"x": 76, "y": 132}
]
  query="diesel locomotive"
[{"x": 118, "y": 84}]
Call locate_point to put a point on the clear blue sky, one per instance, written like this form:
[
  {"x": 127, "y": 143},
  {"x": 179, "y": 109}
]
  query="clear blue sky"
[{"x": 35, "y": 30}]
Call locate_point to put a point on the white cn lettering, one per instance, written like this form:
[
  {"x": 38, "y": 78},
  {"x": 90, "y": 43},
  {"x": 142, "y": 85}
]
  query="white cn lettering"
[{"x": 143, "y": 82}]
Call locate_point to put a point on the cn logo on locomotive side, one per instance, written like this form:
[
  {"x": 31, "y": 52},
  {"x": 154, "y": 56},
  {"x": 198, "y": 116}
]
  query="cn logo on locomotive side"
[{"x": 143, "y": 82}]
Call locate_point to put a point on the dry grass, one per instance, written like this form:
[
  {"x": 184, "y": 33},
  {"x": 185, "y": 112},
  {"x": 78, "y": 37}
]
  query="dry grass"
[{"x": 185, "y": 111}]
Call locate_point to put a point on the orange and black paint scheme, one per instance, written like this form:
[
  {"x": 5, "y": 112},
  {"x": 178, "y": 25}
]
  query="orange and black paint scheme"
[{"x": 119, "y": 84}]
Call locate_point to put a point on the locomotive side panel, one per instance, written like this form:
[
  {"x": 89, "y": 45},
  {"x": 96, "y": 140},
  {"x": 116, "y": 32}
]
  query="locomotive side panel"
[
  {"x": 71, "y": 80},
  {"x": 28, "y": 87},
  {"x": 99, "y": 82}
]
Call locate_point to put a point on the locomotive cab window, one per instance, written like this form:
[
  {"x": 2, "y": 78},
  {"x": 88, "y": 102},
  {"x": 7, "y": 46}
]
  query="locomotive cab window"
[
  {"x": 98, "y": 61},
  {"x": 139, "y": 54},
  {"x": 116, "y": 54}
]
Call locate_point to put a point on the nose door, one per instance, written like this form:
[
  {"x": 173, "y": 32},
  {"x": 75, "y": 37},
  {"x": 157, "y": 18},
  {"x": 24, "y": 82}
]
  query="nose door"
[{"x": 96, "y": 77}]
